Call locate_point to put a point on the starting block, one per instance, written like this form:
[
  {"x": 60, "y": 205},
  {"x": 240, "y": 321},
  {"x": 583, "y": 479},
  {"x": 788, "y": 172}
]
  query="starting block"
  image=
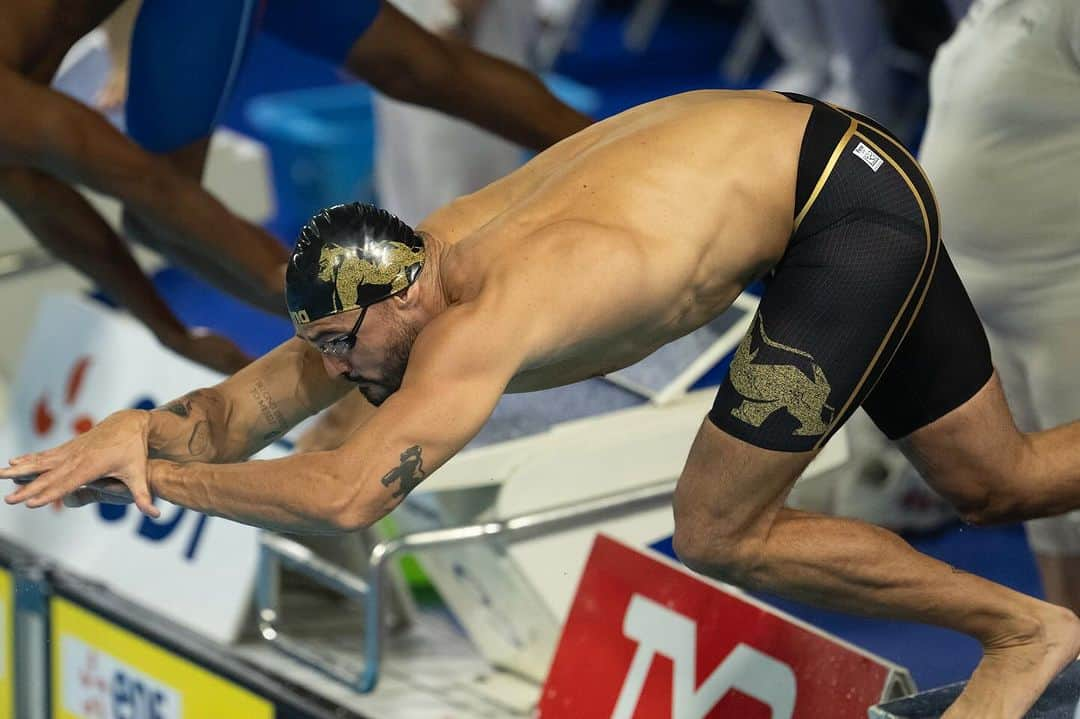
[{"x": 1061, "y": 700}]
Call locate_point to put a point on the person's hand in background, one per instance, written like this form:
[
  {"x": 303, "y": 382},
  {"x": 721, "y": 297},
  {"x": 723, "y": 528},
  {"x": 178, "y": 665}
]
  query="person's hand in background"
[
  {"x": 118, "y": 29},
  {"x": 114, "y": 93}
]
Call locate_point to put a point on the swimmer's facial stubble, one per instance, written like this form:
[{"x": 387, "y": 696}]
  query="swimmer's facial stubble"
[{"x": 378, "y": 361}]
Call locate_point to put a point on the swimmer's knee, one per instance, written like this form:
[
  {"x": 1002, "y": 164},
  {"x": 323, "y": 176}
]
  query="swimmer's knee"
[
  {"x": 985, "y": 499},
  {"x": 981, "y": 511},
  {"x": 717, "y": 548},
  {"x": 1012, "y": 487}
]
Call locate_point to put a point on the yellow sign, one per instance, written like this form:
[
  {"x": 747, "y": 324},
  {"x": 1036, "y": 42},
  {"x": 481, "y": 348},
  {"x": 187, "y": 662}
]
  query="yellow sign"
[
  {"x": 7, "y": 646},
  {"x": 101, "y": 671}
]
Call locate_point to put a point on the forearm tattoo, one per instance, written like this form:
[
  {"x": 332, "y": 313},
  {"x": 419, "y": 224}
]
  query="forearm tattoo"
[
  {"x": 408, "y": 474},
  {"x": 199, "y": 441},
  {"x": 269, "y": 409}
]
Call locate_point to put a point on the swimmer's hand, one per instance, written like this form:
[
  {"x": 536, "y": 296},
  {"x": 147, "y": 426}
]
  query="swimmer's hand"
[
  {"x": 114, "y": 93},
  {"x": 103, "y": 491},
  {"x": 114, "y": 451},
  {"x": 210, "y": 350}
]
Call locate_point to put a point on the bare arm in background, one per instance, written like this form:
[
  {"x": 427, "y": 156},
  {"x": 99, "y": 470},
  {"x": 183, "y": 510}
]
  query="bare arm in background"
[
  {"x": 404, "y": 61},
  {"x": 72, "y": 230},
  {"x": 64, "y": 139}
]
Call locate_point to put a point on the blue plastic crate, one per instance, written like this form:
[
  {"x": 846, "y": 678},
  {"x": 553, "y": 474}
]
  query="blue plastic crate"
[{"x": 322, "y": 148}]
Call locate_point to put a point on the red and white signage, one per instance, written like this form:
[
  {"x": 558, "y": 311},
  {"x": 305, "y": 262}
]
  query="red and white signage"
[
  {"x": 195, "y": 569},
  {"x": 646, "y": 639}
]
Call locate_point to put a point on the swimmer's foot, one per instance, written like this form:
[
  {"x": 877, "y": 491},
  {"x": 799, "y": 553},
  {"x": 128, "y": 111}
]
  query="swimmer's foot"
[{"x": 1017, "y": 666}]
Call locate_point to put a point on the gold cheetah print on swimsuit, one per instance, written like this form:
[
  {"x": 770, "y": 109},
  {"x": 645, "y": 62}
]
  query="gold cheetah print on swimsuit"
[
  {"x": 347, "y": 271},
  {"x": 767, "y": 388}
]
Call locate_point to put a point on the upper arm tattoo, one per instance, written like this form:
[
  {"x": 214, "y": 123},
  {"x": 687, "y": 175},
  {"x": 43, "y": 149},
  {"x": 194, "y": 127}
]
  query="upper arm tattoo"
[
  {"x": 269, "y": 409},
  {"x": 408, "y": 474},
  {"x": 200, "y": 438}
]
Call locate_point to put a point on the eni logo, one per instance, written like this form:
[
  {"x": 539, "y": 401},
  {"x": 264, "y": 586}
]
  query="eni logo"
[
  {"x": 97, "y": 685},
  {"x": 768, "y": 388},
  {"x": 44, "y": 415}
]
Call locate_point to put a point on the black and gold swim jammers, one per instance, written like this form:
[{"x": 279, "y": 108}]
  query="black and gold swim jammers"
[{"x": 864, "y": 308}]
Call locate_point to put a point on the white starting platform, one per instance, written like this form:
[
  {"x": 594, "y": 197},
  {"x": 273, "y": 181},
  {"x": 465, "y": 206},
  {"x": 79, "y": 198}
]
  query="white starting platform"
[{"x": 1061, "y": 700}]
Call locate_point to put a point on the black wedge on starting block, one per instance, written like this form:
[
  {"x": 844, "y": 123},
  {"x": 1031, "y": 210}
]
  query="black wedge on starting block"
[{"x": 1061, "y": 700}]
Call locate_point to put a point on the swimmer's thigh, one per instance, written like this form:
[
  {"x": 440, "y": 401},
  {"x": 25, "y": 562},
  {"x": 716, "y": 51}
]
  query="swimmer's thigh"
[
  {"x": 184, "y": 61},
  {"x": 941, "y": 398}
]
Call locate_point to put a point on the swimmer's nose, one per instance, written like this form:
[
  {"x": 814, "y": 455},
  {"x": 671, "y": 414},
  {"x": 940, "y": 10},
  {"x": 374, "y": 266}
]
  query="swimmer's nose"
[{"x": 335, "y": 366}]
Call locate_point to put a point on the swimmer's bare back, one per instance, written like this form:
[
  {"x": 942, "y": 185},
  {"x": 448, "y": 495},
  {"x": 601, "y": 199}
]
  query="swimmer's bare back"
[{"x": 636, "y": 230}]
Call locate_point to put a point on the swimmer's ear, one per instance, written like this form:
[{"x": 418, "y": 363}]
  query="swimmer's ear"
[{"x": 406, "y": 297}]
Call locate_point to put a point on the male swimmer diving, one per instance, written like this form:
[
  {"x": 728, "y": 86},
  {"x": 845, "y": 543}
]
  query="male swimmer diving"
[{"x": 628, "y": 235}]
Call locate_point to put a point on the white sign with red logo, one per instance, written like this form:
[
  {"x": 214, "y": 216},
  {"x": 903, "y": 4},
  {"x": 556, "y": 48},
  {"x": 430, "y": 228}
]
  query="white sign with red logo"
[
  {"x": 82, "y": 362},
  {"x": 646, "y": 639}
]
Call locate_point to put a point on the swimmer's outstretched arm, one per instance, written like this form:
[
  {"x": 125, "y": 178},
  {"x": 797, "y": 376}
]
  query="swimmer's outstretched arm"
[
  {"x": 406, "y": 62},
  {"x": 233, "y": 420},
  {"x": 224, "y": 423},
  {"x": 47, "y": 131},
  {"x": 458, "y": 369}
]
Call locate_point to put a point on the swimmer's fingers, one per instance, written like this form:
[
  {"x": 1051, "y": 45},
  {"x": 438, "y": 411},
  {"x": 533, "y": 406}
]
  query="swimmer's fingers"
[
  {"x": 140, "y": 493},
  {"x": 34, "y": 463},
  {"x": 50, "y": 485},
  {"x": 106, "y": 490},
  {"x": 34, "y": 480},
  {"x": 69, "y": 477},
  {"x": 26, "y": 473}
]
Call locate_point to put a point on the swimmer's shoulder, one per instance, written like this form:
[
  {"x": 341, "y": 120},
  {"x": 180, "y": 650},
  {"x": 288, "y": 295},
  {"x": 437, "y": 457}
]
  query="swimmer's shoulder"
[{"x": 563, "y": 257}]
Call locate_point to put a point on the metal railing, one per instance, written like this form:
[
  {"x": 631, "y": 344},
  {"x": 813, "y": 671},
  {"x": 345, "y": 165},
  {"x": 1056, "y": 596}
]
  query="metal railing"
[{"x": 277, "y": 552}]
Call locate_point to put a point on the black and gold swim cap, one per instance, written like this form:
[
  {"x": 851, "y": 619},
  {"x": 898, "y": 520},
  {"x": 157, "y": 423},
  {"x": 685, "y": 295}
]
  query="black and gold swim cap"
[{"x": 347, "y": 257}]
